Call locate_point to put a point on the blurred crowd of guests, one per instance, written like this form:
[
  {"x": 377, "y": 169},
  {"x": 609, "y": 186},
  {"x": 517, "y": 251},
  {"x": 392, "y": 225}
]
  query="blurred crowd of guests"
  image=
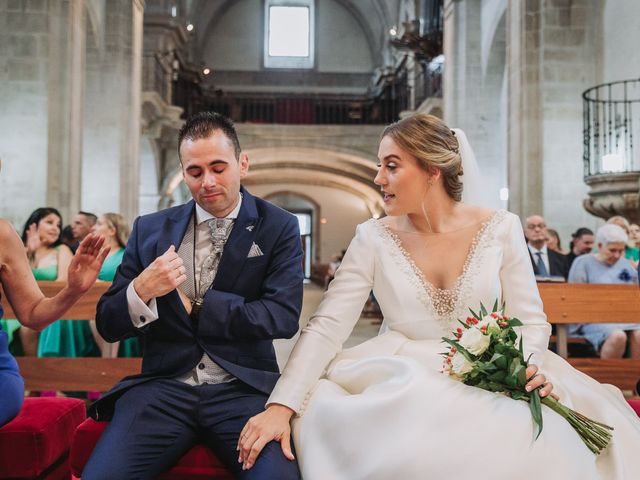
[
  {"x": 610, "y": 256},
  {"x": 50, "y": 248}
]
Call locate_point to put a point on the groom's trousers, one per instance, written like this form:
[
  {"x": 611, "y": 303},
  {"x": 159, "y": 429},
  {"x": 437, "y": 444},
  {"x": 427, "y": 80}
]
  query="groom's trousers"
[{"x": 156, "y": 422}]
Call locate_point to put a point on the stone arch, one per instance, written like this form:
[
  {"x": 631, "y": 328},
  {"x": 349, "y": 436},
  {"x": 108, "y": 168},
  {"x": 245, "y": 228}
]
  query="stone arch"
[
  {"x": 316, "y": 210},
  {"x": 311, "y": 166}
]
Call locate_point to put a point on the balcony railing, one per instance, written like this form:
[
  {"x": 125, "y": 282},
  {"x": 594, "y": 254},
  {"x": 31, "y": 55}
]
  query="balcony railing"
[
  {"x": 318, "y": 109},
  {"x": 611, "y": 124}
]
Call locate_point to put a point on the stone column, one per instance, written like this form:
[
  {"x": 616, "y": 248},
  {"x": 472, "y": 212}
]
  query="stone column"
[
  {"x": 130, "y": 160},
  {"x": 66, "y": 99},
  {"x": 524, "y": 135},
  {"x": 112, "y": 125},
  {"x": 24, "y": 69}
]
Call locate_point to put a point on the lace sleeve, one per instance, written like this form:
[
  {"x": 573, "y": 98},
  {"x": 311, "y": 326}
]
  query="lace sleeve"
[
  {"x": 332, "y": 323},
  {"x": 520, "y": 292}
]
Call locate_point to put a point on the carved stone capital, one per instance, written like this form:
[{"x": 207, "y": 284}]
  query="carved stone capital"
[{"x": 614, "y": 194}]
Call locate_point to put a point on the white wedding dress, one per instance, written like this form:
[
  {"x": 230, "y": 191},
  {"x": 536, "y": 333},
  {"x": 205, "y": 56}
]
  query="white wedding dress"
[{"x": 382, "y": 410}]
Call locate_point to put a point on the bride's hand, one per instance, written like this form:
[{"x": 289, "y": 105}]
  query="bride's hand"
[
  {"x": 538, "y": 380},
  {"x": 272, "y": 424}
]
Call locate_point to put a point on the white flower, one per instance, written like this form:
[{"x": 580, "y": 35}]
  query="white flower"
[
  {"x": 489, "y": 321},
  {"x": 475, "y": 341},
  {"x": 460, "y": 365}
]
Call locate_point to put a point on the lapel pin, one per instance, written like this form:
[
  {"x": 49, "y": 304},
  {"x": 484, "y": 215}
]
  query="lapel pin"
[{"x": 250, "y": 228}]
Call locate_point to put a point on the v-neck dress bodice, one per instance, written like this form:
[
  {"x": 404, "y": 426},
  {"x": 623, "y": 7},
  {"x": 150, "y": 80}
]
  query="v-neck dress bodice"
[{"x": 384, "y": 410}]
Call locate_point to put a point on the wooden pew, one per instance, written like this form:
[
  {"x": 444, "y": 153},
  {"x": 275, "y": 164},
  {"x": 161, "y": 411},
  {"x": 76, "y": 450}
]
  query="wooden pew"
[
  {"x": 580, "y": 303},
  {"x": 73, "y": 374},
  {"x": 563, "y": 304}
]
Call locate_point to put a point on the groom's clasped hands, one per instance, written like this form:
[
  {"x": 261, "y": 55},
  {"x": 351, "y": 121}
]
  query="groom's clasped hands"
[{"x": 272, "y": 424}]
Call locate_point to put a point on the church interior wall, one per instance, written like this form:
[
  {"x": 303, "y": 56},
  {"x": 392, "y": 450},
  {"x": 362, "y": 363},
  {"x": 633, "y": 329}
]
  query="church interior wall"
[
  {"x": 238, "y": 64},
  {"x": 24, "y": 75},
  {"x": 621, "y": 37},
  {"x": 567, "y": 69},
  {"x": 342, "y": 210}
]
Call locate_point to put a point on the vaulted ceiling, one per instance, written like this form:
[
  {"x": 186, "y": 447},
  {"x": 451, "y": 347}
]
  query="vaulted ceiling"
[{"x": 375, "y": 17}]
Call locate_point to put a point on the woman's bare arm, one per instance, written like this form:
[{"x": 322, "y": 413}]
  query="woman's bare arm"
[{"x": 32, "y": 308}]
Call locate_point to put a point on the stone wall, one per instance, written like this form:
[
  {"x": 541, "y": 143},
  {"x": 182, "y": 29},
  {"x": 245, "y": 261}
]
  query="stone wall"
[{"x": 24, "y": 74}]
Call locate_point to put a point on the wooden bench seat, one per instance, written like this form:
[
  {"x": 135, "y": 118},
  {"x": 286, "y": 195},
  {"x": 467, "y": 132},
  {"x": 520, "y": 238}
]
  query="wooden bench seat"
[{"x": 570, "y": 303}]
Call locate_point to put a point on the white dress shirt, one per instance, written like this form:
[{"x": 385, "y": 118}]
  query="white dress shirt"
[{"x": 545, "y": 256}]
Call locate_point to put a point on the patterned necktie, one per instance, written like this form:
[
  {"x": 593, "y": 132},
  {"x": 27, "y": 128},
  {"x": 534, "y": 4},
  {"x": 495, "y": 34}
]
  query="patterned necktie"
[
  {"x": 220, "y": 230},
  {"x": 542, "y": 268}
]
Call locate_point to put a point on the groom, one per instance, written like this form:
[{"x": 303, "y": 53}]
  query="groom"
[{"x": 207, "y": 286}]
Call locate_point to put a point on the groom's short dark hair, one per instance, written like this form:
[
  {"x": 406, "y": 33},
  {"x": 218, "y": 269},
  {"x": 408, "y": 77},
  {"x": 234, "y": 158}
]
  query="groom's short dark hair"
[{"x": 203, "y": 124}]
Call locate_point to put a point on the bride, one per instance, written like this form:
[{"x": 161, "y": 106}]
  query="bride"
[{"x": 383, "y": 409}]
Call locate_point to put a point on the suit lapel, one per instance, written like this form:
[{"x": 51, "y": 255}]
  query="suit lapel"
[
  {"x": 174, "y": 228},
  {"x": 238, "y": 245},
  {"x": 172, "y": 233}
]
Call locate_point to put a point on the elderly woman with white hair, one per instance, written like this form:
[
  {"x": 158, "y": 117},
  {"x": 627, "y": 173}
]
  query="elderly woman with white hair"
[{"x": 607, "y": 265}]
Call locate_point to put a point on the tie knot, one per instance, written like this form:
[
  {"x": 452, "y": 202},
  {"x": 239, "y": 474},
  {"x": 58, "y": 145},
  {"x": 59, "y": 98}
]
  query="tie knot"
[{"x": 220, "y": 228}]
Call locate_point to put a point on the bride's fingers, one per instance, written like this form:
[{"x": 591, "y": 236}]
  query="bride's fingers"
[
  {"x": 243, "y": 433},
  {"x": 246, "y": 444},
  {"x": 285, "y": 443},
  {"x": 546, "y": 389},
  {"x": 255, "y": 450},
  {"x": 531, "y": 372},
  {"x": 535, "y": 382}
]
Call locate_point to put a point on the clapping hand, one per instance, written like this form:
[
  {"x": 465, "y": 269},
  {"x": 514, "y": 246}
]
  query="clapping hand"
[
  {"x": 33, "y": 239},
  {"x": 86, "y": 263},
  {"x": 272, "y": 424},
  {"x": 163, "y": 275}
]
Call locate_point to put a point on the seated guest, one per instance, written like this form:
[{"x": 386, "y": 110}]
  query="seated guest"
[
  {"x": 66, "y": 237},
  {"x": 50, "y": 261},
  {"x": 581, "y": 244},
  {"x": 33, "y": 309},
  {"x": 115, "y": 230},
  {"x": 546, "y": 263},
  {"x": 82, "y": 224},
  {"x": 607, "y": 266},
  {"x": 631, "y": 252},
  {"x": 553, "y": 241},
  {"x": 634, "y": 235}
]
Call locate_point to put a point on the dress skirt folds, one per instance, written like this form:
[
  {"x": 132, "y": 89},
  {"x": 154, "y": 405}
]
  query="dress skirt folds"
[{"x": 383, "y": 409}]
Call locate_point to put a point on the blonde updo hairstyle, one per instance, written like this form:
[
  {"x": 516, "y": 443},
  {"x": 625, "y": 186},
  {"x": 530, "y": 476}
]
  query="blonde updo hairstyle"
[
  {"x": 433, "y": 144},
  {"x": 117, "y": 222}
]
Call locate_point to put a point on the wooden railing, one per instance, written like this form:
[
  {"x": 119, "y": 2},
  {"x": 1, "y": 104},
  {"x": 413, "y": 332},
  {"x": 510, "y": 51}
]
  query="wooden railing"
[
  {"x": 563, "y": 304},
  {"x": 73, "y": 374}
]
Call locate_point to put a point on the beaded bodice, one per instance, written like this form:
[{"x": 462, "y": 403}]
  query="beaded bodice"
[{"x": 448, "y": 304}]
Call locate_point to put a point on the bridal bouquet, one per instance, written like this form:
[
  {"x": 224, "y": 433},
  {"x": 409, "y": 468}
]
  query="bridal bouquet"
[{"x": 484, "y": 354}]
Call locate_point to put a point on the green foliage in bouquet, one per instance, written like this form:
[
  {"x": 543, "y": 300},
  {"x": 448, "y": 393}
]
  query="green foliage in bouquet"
[{"x": 485, "y": 353}]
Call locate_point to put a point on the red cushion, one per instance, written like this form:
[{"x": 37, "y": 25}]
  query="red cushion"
[
  {"x": 39, "y": 436},
  {"x": 635, "y": 404},
  {"x": 199, "y": 462}
]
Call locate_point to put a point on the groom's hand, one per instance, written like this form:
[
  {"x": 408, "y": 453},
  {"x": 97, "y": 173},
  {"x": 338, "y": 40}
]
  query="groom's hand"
[
  {"x": 163, "y": 275},
  {"x": 272, "y": 424}
]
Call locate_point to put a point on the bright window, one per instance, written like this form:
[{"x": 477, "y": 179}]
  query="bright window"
[{"x": 289, "y": 35}]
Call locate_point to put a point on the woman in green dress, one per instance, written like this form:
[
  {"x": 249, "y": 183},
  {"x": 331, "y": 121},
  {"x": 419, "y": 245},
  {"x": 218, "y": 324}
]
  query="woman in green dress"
[
  {"x": 49, "y": 260},
  {"x": 115, "y": 231}
]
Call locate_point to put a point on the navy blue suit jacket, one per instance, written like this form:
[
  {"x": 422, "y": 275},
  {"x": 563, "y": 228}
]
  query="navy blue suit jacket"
[{"x": 251, "y": 301}]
